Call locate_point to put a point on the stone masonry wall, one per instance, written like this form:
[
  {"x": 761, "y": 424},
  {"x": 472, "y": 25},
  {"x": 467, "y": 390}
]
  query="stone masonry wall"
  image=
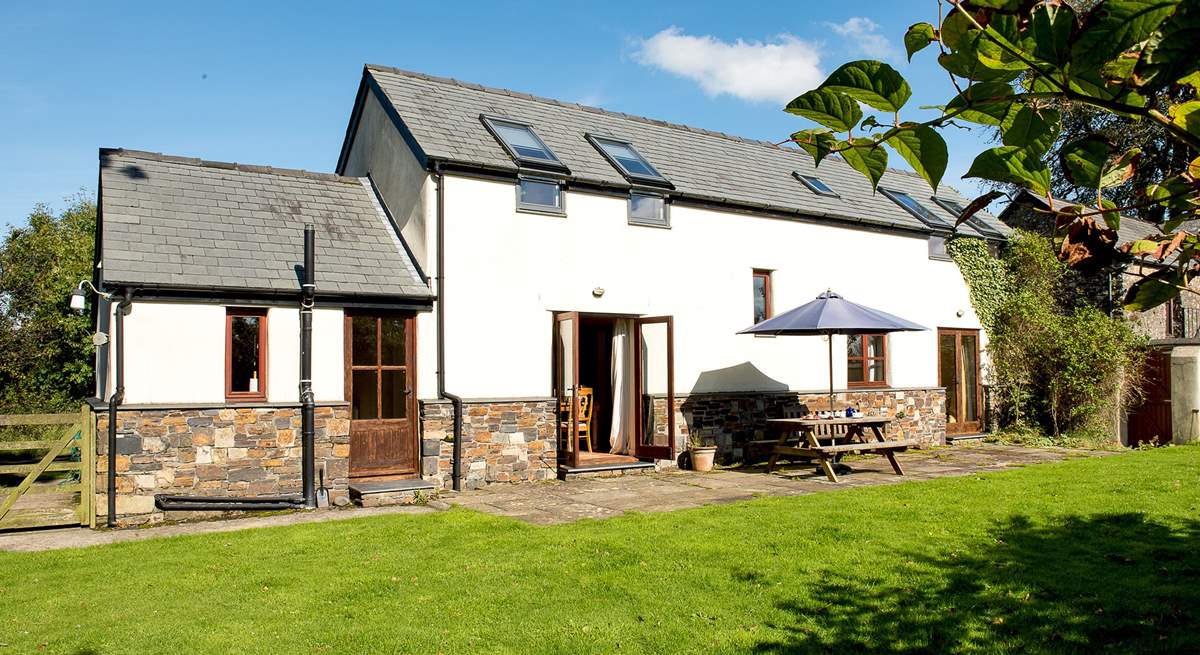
[
  {"x": 503, "y": 441},
  {"x": 244, "y": 451},
  {"x": 731, "y": 421}
]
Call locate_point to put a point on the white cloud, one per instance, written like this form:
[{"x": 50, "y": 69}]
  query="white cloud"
[
  {"x": 862, "y": 34},
  {"x": 775, "y": 71}
]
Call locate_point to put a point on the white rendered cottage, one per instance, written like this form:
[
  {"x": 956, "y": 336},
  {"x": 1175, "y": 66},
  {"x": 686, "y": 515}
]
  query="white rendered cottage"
[{"x": 482, "y": 254}]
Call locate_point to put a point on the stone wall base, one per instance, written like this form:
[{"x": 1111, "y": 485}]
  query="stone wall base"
[
  {"x": 503, "y": 441},
  {"x": 215, "y": 452}
]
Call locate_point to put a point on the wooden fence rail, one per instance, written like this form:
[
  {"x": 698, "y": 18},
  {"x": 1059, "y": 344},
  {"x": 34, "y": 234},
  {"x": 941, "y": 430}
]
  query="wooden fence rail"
[{"x": 76, "y": 443}]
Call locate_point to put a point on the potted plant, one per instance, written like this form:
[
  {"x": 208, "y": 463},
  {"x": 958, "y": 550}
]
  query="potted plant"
[{"x": 702, "y": 455}]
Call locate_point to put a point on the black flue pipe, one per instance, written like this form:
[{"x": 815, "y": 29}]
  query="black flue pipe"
[
  {"x": 308, "y": 292},
  {"x": 114, "y": 401}
]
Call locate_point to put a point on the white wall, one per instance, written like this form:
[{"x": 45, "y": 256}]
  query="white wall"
[
  {"x": 175, "y": 354},
  {"x": 507, "y": 271}
]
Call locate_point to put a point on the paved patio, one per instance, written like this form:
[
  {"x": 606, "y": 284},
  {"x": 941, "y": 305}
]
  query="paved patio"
[{"x": 561, "y": 502}]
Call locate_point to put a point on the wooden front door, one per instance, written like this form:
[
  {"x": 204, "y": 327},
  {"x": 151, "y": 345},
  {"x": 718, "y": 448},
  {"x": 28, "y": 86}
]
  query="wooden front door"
[
  {"x": 380, "y": 374},
  {"x": 1151, "y": 421},
  {"x": 958, "y": 372}
]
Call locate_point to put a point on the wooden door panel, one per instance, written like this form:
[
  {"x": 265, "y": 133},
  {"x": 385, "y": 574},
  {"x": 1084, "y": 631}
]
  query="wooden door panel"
[
  {"x": 654, "y": 384},
  {"x": 1151, "y": 422},
  {"x": 959, "y": 373},
  {"x": 378, "y": 447}
]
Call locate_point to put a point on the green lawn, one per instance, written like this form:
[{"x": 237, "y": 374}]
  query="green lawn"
[{"x": 1096, "y": 555}]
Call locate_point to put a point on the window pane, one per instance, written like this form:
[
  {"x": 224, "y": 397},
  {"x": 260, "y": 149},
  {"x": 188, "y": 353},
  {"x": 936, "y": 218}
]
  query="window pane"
[
  {"x": 394, "y": 405},
  {"x": 629, "y": 160},
  {"x": 646, "y": 208},
  {"x": 540, "y": 193},
  {"x": 875, "y": 371},
  {"x": 393, "y": 351},
  {"x": 636, "y": 167},
  {"x": 243, "y": 354},
  {"x": 521, "y": 140},
  {"x": 970, "y": 400},
  {"x": 874, "y": 345},
  {"x": 365, "y": 398},
  {"x": 948, "y": 371},
  {"x": 854, "y": 370},
  {"x": 937, "y": 248},
  {"x": 854, "y": 345},
  {"x": 760, "y": 298},
  {"x": 363, "y": 340}
]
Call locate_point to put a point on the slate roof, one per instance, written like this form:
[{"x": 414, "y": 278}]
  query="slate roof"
[
  {"x": 1131, "y": 228},
  {"x": 443, "y": 116},
  {"x": 182, "y": 223}
]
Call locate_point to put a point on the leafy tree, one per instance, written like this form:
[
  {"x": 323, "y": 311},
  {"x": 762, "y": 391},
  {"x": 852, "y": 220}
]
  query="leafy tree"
[
  {"x": 1014, "y": 65},
  {"x": 45, "y": 353}
]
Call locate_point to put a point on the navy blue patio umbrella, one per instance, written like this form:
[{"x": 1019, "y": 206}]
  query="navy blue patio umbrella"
[{"x": 828, "y": 315}]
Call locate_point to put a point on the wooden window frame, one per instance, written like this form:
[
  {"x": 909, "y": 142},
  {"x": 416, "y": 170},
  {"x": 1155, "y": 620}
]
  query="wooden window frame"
[
  {"x": 246, "y": 396},
  {"x": 866, "y": 362},
  {"x": 378, "y": 368},
  {"x": 768, "y": 302}
]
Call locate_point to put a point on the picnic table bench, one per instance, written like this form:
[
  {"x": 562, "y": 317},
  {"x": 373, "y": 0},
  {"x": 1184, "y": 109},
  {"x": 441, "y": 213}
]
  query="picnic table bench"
[{"x": 819, "y": 439}]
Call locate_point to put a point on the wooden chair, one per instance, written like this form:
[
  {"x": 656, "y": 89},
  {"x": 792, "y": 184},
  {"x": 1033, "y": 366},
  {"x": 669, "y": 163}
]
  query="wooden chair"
[{"x": 583, "y": 418}]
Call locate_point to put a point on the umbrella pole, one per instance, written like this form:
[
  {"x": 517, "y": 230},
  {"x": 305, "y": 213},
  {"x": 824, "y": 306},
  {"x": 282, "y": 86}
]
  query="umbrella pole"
[{"x": 831, "y": 408}]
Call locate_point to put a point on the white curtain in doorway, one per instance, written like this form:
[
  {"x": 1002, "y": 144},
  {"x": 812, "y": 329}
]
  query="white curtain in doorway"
[{"x": 622, "y": 435}]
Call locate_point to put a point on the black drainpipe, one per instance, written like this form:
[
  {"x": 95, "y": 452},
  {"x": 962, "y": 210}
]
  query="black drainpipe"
[
  {"x": 456, "y": 470},
  {"x": 118, "y": 396},
  {"x": 307, "y": 403}
]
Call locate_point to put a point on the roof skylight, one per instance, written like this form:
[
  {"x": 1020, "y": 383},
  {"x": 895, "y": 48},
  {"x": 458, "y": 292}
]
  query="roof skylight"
[
  {"x": 628, "y": 161},
  {"x": 916, "y": 209},
  {"x": 815, "y": 184},
  {"x": 522, "y": 144},
  {"x": 981, "y": 226}
]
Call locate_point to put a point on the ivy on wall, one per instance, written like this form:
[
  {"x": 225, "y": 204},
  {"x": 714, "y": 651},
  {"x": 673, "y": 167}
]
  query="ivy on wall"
[{"x": 987, "y": 278}]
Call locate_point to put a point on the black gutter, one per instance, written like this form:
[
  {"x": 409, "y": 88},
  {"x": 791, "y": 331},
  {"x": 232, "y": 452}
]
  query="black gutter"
[
  {"x": 173, "y": 503},
  {"x": 114, "y": 401},
  {"x": 308, "y": 404},
  {"x": 456, "y": 471}
]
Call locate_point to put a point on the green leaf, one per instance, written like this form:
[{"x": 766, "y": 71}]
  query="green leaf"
[
  {"x": 1012, "y": 164},
  {"x": 868, "y": 160},
  {"x": 957, "y": 30},
  {"x": 967, "y": 66},
  {"x": 917, "y": 37},
  {"x": 1083, "y": 160},
  {"x": 1172, "y": 57},
  {"x": 1030, "y": 128},
  {"x": 1142, "y": 247},
  {"x": 1006, "y": 5},
  {"x": 1153, "y": 291},
  {"x": 1115, "y": 26},
  {"x": 871, "y": 82},
  {"x": 833, "y": 110},
  {"x": 817, "y": 143},
  {"x": 1052, "y": 27},
  {"x": 980, "y": 105},
  {"x": 1111, "y": 219},
  {"x": 1122, "y": 169},
  {"x": 925, "y": 150},
  {"x": 1187, "y": 116}
]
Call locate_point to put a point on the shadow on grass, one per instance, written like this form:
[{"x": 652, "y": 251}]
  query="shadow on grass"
[{"x": 1112, "y": 583}]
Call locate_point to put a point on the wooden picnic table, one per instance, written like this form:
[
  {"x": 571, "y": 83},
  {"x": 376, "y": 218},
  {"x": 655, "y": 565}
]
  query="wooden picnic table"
[{"x": 858, "y": 434}]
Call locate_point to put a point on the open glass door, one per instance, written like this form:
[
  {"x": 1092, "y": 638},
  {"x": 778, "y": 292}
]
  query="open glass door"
[
  {"x": 654, "y": 375},
  {"x": 958, "y": 372},
  {"x": 566, "y": 385}
]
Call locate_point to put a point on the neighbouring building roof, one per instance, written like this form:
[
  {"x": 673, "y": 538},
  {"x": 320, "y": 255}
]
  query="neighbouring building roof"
[
  {"x": 1131, "y": 229},
  {"x": 181, "y": 223},
  {"x": 443, "y": 117}
]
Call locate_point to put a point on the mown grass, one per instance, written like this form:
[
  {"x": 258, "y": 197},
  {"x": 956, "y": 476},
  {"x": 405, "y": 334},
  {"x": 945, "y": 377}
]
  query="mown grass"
[{"x": 1084, "y": 556}]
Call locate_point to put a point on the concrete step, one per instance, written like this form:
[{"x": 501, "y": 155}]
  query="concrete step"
[{"x": 378, "y": 493}]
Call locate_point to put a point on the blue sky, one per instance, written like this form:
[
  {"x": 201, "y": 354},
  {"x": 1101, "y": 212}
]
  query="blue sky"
[{"x": 273, "y": 83}]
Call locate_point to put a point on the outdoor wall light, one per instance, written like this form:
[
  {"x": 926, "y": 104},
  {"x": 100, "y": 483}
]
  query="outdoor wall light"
[
  {"x": 79, "y": 296},
  {"x": 959, "y": 313},
  {"x": 597, "y": 292}
]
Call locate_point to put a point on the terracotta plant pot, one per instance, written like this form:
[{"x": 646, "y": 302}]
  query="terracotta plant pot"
[{"x": 702, "y": 457}]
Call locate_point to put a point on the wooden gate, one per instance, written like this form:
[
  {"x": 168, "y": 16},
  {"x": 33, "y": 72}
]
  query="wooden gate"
[
  {"x": 54, "y": 471},
  {"x": 1151, "y": 421}
]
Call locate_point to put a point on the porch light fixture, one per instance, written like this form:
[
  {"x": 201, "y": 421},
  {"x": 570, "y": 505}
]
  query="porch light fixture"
[
  {"x": 597, "y": 292},
  {"x": 79, "y": 296}
]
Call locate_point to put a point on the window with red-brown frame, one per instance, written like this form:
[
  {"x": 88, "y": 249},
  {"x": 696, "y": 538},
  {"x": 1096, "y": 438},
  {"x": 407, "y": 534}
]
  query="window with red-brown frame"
[
  {"x": 762, "y": 295},
  {"x": 866, "y": 360},
  {"x": 245, "y": 354}
]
